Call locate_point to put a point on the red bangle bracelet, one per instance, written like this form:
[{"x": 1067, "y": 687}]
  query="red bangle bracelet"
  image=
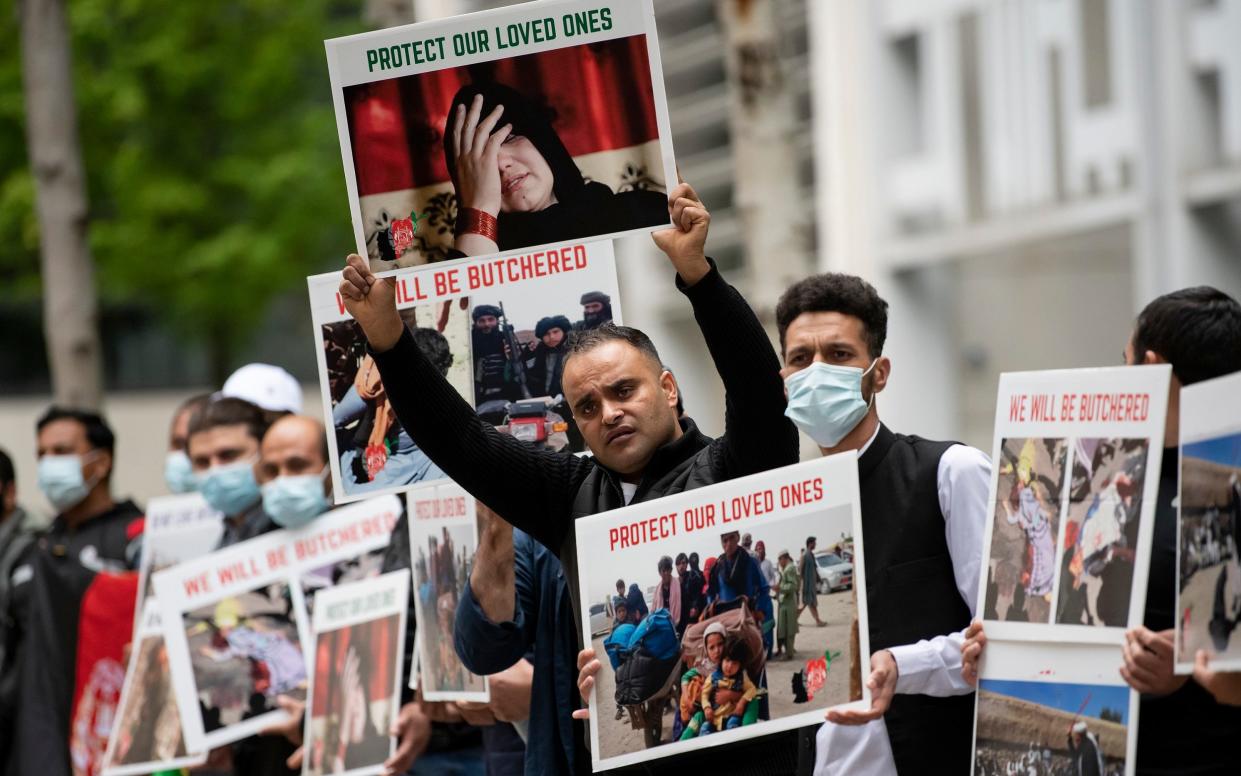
[{"x": 473, "y": 221}]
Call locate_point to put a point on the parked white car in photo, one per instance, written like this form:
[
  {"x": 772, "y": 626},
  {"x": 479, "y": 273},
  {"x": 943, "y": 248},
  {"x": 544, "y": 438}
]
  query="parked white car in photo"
[
  {"x": 600, "y": 619},
  {"x": 835, "y": 573}
]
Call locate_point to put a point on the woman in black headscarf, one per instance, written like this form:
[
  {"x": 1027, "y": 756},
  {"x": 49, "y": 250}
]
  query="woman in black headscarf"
[{"x": 516, "y": 183}]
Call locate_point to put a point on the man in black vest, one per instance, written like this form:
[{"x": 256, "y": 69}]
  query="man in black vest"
[
  {"x": 924, "y": 508},
  {"x": 624, "y": 403}
]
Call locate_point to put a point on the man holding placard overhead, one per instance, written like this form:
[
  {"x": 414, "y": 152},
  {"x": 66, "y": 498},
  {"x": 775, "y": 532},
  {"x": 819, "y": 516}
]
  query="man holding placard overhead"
[{"x": 623, "y": 400}]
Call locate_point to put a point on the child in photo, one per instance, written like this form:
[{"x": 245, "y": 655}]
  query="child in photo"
[
  {"x": 728, "y": 691},
  {"x": 693, "y": 679}
]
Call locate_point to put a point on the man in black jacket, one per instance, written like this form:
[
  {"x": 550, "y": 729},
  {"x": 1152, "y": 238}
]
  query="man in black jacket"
[{"x": 622, "y": 398}]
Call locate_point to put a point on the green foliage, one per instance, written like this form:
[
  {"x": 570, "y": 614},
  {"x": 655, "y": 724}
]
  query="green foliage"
[
  {"x": 210, "y": 147},
  {"x": 1111, "y": 715}
]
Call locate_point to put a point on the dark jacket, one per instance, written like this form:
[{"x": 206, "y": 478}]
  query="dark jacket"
[
  {"x": 543, "y": 492},
  {"x": 541, "y": 628}
]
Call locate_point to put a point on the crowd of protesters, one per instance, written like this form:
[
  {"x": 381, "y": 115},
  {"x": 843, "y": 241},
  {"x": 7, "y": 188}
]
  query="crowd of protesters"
[{"x": 262, "y": 465}]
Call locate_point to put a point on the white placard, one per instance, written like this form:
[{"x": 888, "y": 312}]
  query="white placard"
[{"x": 781, "y": 508}]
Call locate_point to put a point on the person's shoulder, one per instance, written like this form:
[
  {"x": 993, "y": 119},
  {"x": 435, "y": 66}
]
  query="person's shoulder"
[{"x": 959, "y": 458}]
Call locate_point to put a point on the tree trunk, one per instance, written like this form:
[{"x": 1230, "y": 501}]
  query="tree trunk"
[
  {"x": 763, "y": 121},
  {"x": 70, "y": 314}
]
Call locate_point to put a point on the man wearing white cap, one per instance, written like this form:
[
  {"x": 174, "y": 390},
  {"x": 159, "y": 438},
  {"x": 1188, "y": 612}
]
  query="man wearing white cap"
[
  {"x": 1084, "y": 748},
  {"x": 266, "y": 386}
]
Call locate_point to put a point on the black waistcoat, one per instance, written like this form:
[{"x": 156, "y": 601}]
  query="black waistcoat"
[{"x": 911, "y": 593}]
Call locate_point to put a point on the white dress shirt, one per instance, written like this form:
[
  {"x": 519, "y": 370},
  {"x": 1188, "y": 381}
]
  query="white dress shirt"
[{"x": 931, "y": 666}]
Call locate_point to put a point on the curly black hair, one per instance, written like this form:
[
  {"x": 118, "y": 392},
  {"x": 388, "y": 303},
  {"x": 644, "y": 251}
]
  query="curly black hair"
[
  {"x": 835, "y": 292},
  {"x": 735, "y": 648}
]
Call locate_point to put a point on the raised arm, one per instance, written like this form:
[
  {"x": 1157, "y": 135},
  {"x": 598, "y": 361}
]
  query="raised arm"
[
  {"x": 532, "y": 488},
  {"x": 757, "y": 436}
]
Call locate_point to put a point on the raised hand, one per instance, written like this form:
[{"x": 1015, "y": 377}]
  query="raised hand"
[
  {"x": 476, "y": 150},
  {"x": 685, "y": 243},
  {"x": 372, "y": 303}
]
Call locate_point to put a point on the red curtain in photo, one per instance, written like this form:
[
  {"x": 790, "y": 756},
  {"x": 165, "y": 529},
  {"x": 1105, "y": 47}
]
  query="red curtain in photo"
[{"x": 599, "y": 95}]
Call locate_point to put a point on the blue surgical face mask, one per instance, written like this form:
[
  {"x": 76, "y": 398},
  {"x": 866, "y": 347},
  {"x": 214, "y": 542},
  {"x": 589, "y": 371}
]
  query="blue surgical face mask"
[
  {"x": 60, "y": 479},
  {"x": 230, "y": 488},
  {"x": 826, "y": 401},
  {"x": 178, "y": 473},
  {"x": 295, "y": 500}
]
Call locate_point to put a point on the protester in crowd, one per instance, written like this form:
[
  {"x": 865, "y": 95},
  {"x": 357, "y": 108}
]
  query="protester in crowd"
[
  {"x": 270, "y": 388},
  {"x": 178, "y": 472},
  {"x": 596, "y": 310},
  {"x": 378, "y": 453},
  {"x": 516, "y": 183},
  {"x": 513, "y": 620},
  {"x": 668, "y": 593},
  {"x": 17, "y": 534},
  {"x": 93, "y": 538},
  {"x": 292, "y": 471},
  {"x": 623, "y": 402},
  {"x": 223, "y": 446},
  {"x": 924, "y": 509},
  {"x": 1185, "y": 725},
  {"x": 810, "y": 582}
]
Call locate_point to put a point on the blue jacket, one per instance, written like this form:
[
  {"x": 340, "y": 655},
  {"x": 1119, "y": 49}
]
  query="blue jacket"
[{"x": 543, "y": 630}]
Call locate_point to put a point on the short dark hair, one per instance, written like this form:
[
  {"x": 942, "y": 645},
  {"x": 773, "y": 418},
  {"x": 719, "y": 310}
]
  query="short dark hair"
[
  {"x": 589, "y": 339},
  {"x": 7, "y": 474},
  {"x": 620, "y": 583},
  {"x": 98, "y": 434},
  {"x": 665, "y": 563},
  {"x": 835, "y": 292},
  {"x": 230, "y": 411},
  {"x": 1197, "y": 330},
  {"x": 735, "y": 648},
  {"x": 682, "y": 558},
  {"x": 810, "y": 540},
  {"x": 434, "y": 346}
]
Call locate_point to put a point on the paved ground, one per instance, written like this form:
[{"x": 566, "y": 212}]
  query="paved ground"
[
  {"x": 1198, "y": 601},
  {"x": 618, "y": 737}
]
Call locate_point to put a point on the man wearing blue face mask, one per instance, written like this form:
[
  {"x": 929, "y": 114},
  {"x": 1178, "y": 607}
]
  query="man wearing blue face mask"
[
  {"x": 292, "y": 471},
  {"x": 178, "y": 472},
  {"x": 924, "y": 508},
  {"x": 223, "y": 445}
]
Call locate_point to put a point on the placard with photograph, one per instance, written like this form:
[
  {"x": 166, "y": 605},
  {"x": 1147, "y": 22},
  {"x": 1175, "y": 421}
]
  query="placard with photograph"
[
  {"x": 355, "y": 685},
  {"x": 497, "y": 328},
  {"x": 235, "y": 621},
  {"x": 672, "y": 682},
  {"x": 537, "y": 124},
  {"x": 1076, "y": 472},
  {"x": 177, "y": 528},
  {"x": 146, "y": 736},
  {"x": 1208, "y": 601},
  {"x": 443, "y": 536},
  {"x": 1053, "y": 708}
]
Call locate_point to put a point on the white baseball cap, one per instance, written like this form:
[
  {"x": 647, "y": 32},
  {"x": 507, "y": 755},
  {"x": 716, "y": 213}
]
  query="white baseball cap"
[{"x": 265, "y": 386}]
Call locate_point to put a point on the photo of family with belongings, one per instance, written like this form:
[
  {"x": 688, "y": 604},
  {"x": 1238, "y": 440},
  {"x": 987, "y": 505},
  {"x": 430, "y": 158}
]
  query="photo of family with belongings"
[
  {"x": 372, "y": 452},
  {"x": 1210, "y": 569},
  {"x": 510, "y": 151},
  {"x": 519, "y": 344},
  {"x": 244, "y": 652},
  {"x": 706, "y": 630},
  {"x": 1101, "y": 532},
  {"x": 1028, "y": 728}
]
